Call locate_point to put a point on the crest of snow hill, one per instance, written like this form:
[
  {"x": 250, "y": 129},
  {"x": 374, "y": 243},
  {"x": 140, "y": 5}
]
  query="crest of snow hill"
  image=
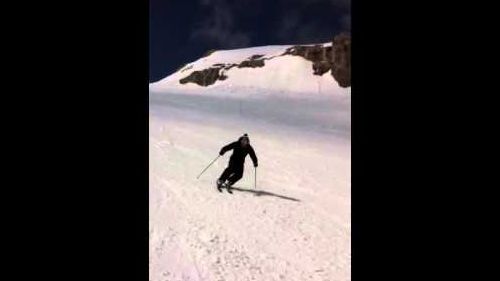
[{"x": 335, "y": 59}]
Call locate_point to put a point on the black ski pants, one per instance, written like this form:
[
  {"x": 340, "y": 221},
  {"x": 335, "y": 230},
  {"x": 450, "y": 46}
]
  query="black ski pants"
[{"x": 232, "y": 173}]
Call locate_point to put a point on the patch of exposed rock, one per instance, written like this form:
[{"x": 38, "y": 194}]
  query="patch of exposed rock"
[
  {"x": 335, "y": 58},
  {"x": 320, "y": 56},
  {"x": 253, "y": 61},
  {"x": 204, "y": 77},
  {"x": 210, "y": 75},
  {"x": 341, "y": 59}
]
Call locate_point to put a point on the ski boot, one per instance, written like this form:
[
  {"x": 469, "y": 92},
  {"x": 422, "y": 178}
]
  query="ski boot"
[
  {"x": 228, "y": 185},
  {"x": 220, "y": 185}
]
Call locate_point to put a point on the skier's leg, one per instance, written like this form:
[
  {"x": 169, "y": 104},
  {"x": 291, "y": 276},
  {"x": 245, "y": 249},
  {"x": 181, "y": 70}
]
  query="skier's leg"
[
  {"x": 236, "y": 176},
  {"x": 220, "y": 181},
  {"x": 225, "y": 175}
]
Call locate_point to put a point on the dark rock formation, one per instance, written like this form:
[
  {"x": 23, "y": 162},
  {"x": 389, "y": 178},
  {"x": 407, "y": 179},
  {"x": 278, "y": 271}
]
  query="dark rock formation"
[
  {"x": 210, "y": 75},
  {"x": 320, "y": 56},
  {"x": 341, "y": 60},
  {"x": 321, "y": 67},
  {"x": 204, "y": 77},
  {"x": 335, "y": 58},
  {"x": 254, "y": 57},
  {"x": 251, "y": 63},
  {"x": 314, "y": 53}
]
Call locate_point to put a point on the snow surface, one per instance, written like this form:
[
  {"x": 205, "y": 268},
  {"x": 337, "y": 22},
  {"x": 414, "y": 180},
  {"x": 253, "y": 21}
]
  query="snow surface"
[
  {"x": 294, "y": 226},
  {"x": 287, "y": 74}
]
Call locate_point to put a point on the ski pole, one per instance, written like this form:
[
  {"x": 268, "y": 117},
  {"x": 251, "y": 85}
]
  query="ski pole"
[
  {"x": 255, "y": 180},
  {"x": 208, "y": 166}
]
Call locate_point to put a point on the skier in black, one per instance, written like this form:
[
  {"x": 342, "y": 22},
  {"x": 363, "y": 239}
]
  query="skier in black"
[{"x": 234, "y": 170}]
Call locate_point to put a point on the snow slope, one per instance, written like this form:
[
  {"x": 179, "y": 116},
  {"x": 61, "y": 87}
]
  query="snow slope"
[
  {"x": 294, "y": 226},
  {"x": 285, "y": 74}
]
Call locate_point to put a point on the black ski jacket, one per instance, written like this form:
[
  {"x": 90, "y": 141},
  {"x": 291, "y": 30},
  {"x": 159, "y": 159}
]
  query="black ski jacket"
[{"x": 239, "y": 153}]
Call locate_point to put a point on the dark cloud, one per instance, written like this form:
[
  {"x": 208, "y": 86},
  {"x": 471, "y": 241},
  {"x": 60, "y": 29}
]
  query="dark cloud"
[
  {"x": 345, "y": 4},
  {"x": 297, "y": 23},
  {"x": 288, "y": 25},
  {"x": 301, "y": 23},
  {"x": 345, "y": 22},
  {"x": 293, "y": 29},
  {"x": 183, "y": 30},
  {"x": 310, "y": 33},
  {"x": 219, "y": 27}
]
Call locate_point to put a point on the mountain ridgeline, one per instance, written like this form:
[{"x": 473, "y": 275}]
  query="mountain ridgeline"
[{"x": 334, "y": 58}]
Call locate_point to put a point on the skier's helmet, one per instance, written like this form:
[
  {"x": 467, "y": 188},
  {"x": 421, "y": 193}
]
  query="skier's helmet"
[{"x": 244, "y": 140}]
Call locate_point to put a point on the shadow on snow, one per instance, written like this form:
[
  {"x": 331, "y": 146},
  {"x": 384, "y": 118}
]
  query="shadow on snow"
[{"x": 264, "y": 193}]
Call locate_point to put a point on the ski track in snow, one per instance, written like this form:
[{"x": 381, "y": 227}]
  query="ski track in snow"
[{"x": 294, "y": 226}]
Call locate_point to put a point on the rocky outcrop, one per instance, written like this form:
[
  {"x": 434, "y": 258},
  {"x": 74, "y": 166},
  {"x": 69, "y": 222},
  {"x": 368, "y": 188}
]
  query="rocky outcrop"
[
  {"x": 204, "y": 77},
  {"x": 210, "y": 75},
  {"x": 341, "y": 59},
  {"x": 335, "y": 58},
  {"x": 253, "y": 61},
  {"x": 320, "y": 56}
]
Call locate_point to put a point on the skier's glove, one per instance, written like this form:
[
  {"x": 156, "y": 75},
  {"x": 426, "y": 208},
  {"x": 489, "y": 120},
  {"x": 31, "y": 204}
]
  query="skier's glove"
[
  {"x": 221, "y": 153},
  {"x": 255, "y": 165}
]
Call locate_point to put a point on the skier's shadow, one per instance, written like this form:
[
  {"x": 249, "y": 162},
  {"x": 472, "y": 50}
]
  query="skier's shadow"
[{"x": 264, "y": 193}]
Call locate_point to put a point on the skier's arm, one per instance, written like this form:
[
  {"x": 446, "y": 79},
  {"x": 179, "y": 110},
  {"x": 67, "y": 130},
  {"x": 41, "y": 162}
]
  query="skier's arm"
[
  {"x": 227, "y": 147},
  {"x": 253, "y": 156}
]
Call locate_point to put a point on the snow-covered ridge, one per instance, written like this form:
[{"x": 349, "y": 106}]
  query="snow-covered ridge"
[{"x": 257, "y": 69}]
